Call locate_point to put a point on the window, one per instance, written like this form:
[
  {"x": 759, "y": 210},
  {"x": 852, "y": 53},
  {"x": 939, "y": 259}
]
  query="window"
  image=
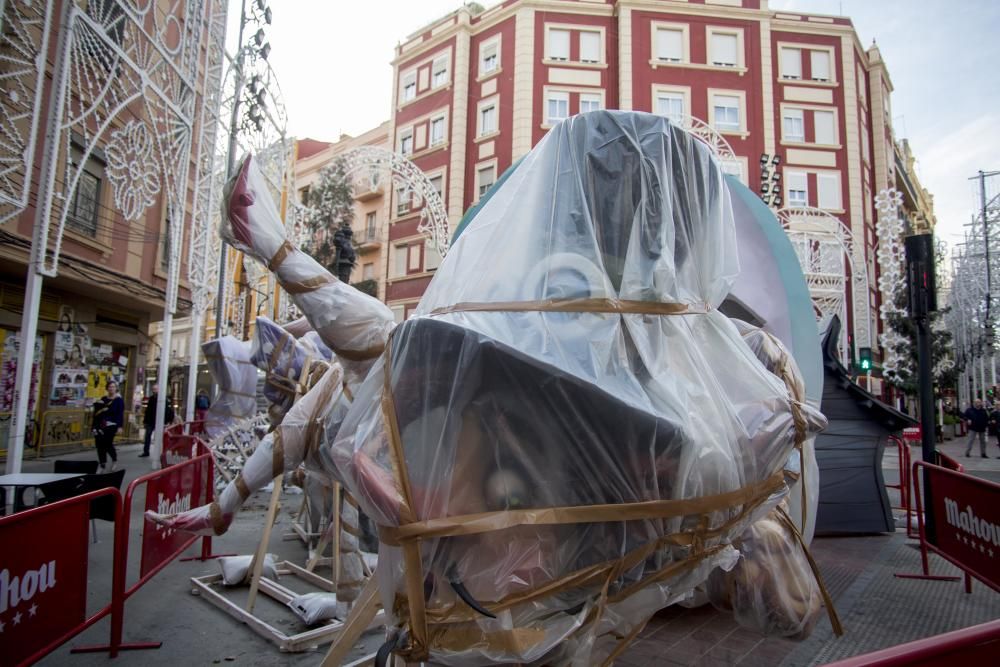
[
  {"x": 371, "y": 226},
  {"x": 672, "y": 106},
  {"x": 437, "y": 131},
  {"x": 798, "y": 189},
  {"x": 793, "y": 125},
  {"x": 437, "y": 183},
  {"x": 558, "y": 44},
  {"x": 556, "y": 107},
  {"x": 432, "y": 258},
  {"x": 790, "y": 63},
  {"x": 724, "y": 49},
  {"x": 440, "y": 76},
  {"x": 727, "y": 112},
  {"x": 486, "y": 176},
  {"x": 825, "y": 129},
  {"x": 83, "y": 206},
  {"x": 413, "y": 257},
  {"x": 590, "y": 102},
  {"x": 828, "y": 191},
  {"x": 590, "y": 47},
  {"x": 368, "y": 271},
  {"x": 409, "y": 86},
  {"x": 399, "y": 261},
  {"x": 489, "y": 57},
  {"x": 734, "y": 168},
  {"x": 488, "y": 119},
  {"x": 406, "y": 142},
  {"x": 820, "y": 64},
  {"x": 402, "y": 201},
  {"x": 670, "y": 45}
]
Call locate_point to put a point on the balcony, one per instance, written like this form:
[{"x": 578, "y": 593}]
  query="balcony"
[
  {"x": 366, "y": 191},
  {"x": 365, "y": 243}
]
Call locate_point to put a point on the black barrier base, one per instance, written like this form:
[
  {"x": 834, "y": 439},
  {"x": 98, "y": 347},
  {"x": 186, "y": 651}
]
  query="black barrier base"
[{"x": 104, "y": 648}]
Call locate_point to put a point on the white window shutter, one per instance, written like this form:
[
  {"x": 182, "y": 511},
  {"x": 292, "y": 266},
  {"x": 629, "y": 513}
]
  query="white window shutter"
[
  {"x": 828, "y": 191},
  {"x": 825, "y": 131},
  {"x": 724, "y": 49},
  {"x": 791, "y": 63},
  {"x": 669, "y": 44},
  {"x": 820, "y": 61},
  {"x": 559, "y": 44},
  {"x": 590, "y": 47}
]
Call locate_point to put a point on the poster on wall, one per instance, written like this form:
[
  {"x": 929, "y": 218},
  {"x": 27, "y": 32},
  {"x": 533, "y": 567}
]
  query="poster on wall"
[
  {"x": 70, "y": 374},
  {"x": 9, "y": 346}
]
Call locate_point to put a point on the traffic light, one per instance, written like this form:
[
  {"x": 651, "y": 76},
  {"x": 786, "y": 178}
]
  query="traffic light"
[{"x": 865, "y": 358}]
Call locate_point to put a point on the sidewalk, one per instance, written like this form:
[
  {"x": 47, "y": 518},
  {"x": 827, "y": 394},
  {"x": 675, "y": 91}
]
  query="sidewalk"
[{"x": 876, "y": 609}]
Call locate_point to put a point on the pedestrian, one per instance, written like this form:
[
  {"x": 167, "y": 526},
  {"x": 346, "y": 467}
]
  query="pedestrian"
[
  {"x": 109, "y": 413},
  {"x": 201, "y": 405},
  {"x": 995, "y": 423},
  {"x": 977, "y": 419},
  {"x": 149, "y": 419}
]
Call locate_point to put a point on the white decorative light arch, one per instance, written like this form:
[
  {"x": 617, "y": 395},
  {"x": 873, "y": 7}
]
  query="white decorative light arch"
[
  {"x": 709, "y": 136},
  {"x": 373, "y": 162},
  {"x": 826, "y": 249}
]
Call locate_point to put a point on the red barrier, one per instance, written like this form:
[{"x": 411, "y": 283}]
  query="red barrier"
[
  {"x": 51, "y": 576},
  {"x": 977, "y": 644},
  {"x": 947, "y": 462},
  {"x": 966, "y": 515},
  {"x": 913, "y": 434},
  {"x": 186, "y": 483},
  {"x": 180, "y": 443},
  {"x": 904, "y": 486}
]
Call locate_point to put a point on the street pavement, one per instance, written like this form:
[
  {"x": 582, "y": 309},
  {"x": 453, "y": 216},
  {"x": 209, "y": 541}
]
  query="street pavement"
[{"x": 876, "y": 609}]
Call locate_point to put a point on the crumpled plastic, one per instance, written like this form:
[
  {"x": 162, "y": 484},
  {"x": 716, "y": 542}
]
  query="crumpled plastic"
[
  {"x": 772, "y": 589},
  {"x": 353, "y": 324},
  {"x": 568, "y": 353},
  {"x": 228, "y": 359},
  {"x": 282, "y": 358},
  {"x": 298, "y": 438}
]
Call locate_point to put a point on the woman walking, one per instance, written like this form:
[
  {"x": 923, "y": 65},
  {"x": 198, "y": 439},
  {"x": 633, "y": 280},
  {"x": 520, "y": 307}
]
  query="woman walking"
[{"x": 109, "y": 413}]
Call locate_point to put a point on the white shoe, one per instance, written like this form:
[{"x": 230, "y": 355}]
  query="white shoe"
[{"x": 114, "y": 466}]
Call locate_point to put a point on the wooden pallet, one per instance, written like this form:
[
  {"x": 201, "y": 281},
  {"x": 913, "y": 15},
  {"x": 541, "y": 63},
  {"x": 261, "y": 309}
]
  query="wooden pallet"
[{"x": 303, "y": 641}]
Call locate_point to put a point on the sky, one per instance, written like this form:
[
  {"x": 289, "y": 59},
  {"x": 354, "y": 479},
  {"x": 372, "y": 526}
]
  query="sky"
[{"x": 332, "y": 61}]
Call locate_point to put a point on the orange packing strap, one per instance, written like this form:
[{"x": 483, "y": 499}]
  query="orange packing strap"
[
  {"x": 619, "y": 306},
  {"x": 472, "y": 524}
]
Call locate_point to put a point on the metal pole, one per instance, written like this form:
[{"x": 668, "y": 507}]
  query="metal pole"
[
  {"x": 230, "y": 165},
  {"x": 35, "y": 279},
  {"x": 982, "y": 375},
  {"x": 192, "y": 387}
]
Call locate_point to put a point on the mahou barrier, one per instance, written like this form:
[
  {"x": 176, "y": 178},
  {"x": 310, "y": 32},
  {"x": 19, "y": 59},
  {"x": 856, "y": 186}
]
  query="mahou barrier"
[
  {"x": 964, "y": 524},
  {"x": 976, "y": 645},
  {"x": 43, "y": 589},
  {"x": 181, "y": 442},
  {"x": 173, "y": 489}
]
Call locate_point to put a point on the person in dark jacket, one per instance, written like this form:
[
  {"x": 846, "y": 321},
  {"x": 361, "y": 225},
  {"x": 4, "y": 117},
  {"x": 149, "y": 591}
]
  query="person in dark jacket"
[
  {"x": 995, "y": 423},
  {"x": 149, "y": 419},
  {"x": 978, "y": 420},
  {"x": 109, "y": 414}
]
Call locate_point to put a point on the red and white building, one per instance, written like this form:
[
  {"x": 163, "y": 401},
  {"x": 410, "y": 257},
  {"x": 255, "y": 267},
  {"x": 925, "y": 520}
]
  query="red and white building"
[{"x": 474, "y": 92}]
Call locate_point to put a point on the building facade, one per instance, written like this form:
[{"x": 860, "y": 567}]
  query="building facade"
[
  {"x": 115, "y": 247},
  {"x": 803, "y": 105}
]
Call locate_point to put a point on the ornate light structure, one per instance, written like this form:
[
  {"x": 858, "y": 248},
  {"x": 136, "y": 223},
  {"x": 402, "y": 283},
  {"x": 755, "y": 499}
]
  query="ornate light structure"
[
  {"x": 410, "y": 181},
  {"x": 826, "y": 250},
  {"x": 124, "y": 77},
  {"x": 891, "y": 257}
]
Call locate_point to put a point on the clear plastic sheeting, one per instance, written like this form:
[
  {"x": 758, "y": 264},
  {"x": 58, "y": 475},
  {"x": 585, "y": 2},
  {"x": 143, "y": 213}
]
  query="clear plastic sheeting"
[
  {"x": 569, "y": 435},
  {"x": 282, "y": 358},
  {"x": 772, "y": 589},
  {"x": 801, "y": 465},
  {"x": 300, "y": 438},
  {"x": 228, "y": 359},
  {"x": 352, "y": 323}
]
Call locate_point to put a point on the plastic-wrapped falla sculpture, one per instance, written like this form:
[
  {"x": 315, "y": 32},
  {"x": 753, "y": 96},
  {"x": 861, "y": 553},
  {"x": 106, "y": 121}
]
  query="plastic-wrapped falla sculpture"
[{"x": 570, "y": 436}]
